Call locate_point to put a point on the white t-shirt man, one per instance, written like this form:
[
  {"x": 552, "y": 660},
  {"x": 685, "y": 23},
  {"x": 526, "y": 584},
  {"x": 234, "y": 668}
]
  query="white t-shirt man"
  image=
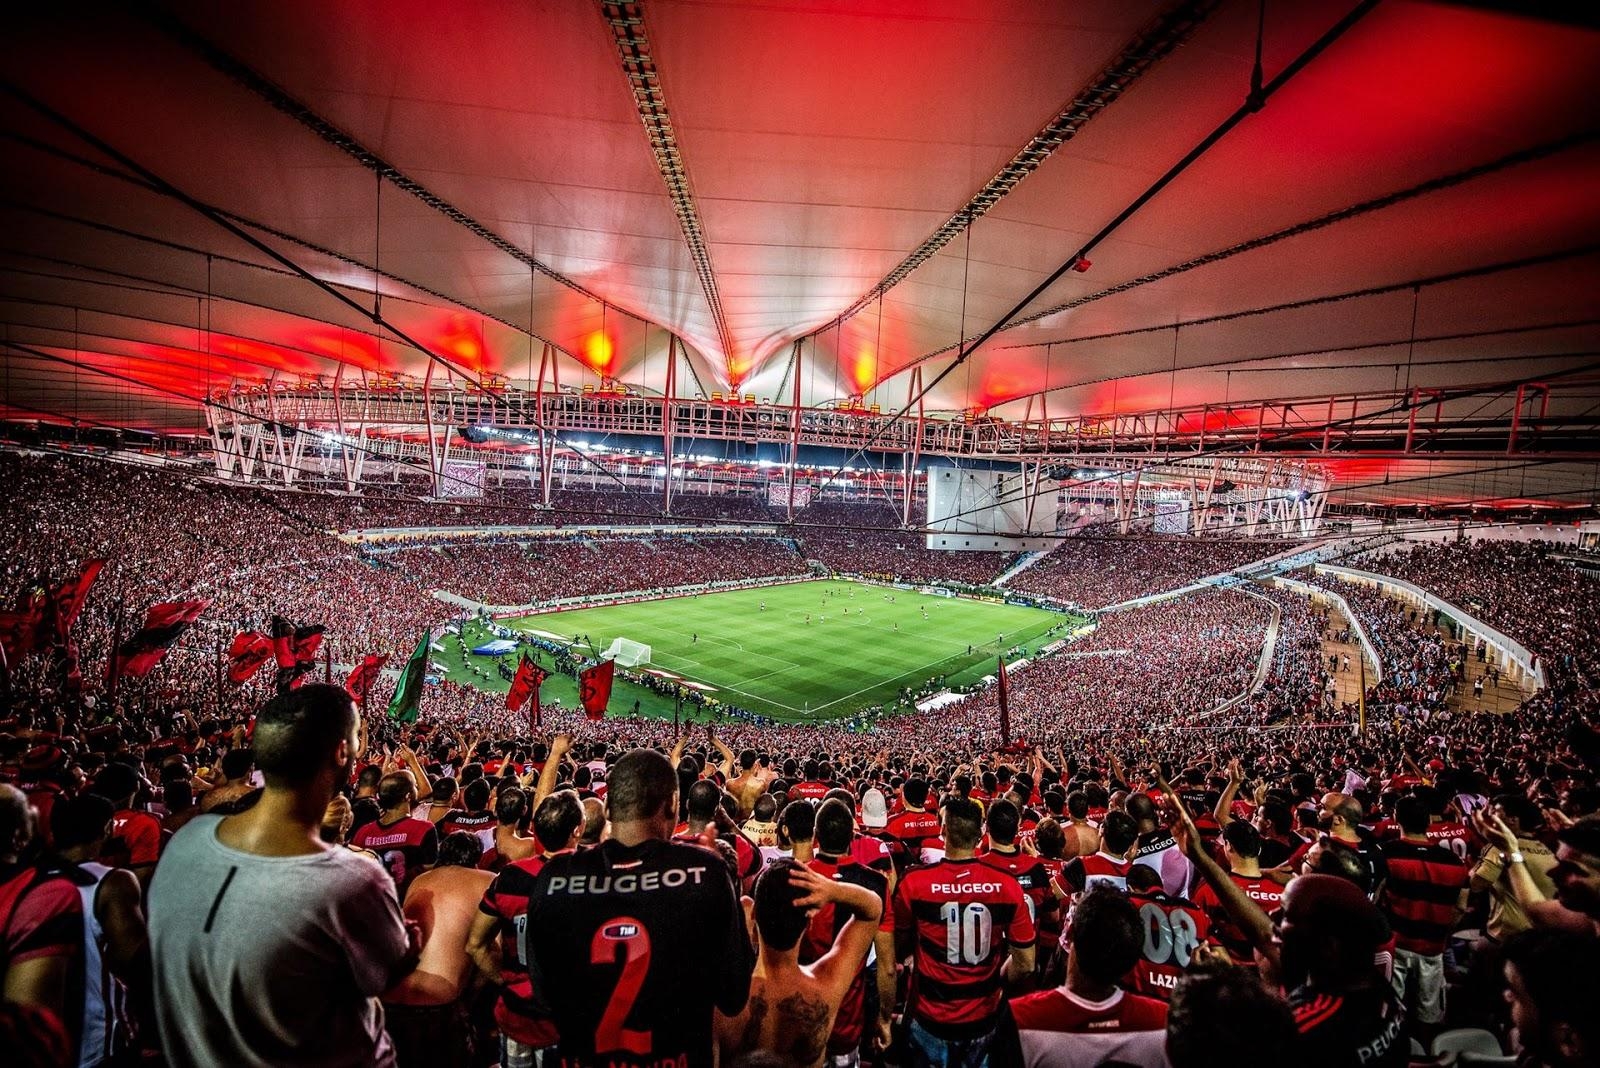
[{"x": 264, "y": 961}]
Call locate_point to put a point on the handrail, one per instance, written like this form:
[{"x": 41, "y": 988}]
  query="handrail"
[
  {"x": 1369, "y": 650},
  {"x": 1514, "y": 651}
]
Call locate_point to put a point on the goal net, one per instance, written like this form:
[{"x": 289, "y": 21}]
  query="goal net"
[{"x": 627, "y": 653}]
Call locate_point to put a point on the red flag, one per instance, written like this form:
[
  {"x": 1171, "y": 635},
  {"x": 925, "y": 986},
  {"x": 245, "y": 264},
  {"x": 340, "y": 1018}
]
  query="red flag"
[
  {"x": 294, "y": 646},
  {"x": 295, "y": 650},
  {"x": 529, "y": 678},
  {"x": 163, "y": 625},
  {"x": 246, "y": 655},
  {"x": 363, "y": 675},
  {"x": 23, "y": 631},
  {"x": 281, "y": 633},
  {"x": 594, "y": 688},
  {"x": 306, "y": 642},
  {"x": 17, "y": 633},
  {"x": 1005, "y": 705},
  {"x": 69, "y": 598}
]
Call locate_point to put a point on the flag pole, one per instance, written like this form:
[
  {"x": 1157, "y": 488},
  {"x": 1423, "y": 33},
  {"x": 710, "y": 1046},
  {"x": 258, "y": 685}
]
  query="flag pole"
[
  {"x": 327, "y": 663},
  {"x": 116, "y": 661},
  {"x": 1361, "y": 697},
  {"x": 219, "y": 673},
  {"x": 5, "y": 683}
]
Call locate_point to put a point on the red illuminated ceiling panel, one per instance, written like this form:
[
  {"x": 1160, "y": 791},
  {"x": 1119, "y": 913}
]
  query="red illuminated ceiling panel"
[{"x": 822, "y": 143}]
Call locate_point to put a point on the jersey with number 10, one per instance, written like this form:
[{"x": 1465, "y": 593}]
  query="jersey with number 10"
[
  {"x": 965, "y": 914},
  {"x": 631, "y": 946}
]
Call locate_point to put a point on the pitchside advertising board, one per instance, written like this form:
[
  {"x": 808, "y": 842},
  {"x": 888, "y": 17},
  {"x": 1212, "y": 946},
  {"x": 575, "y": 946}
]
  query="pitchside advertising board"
[{"x": 987, "y": 511}]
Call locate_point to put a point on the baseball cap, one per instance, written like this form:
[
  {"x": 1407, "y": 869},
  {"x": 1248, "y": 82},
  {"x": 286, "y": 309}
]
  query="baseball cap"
[{"x": 874, "y": 809}]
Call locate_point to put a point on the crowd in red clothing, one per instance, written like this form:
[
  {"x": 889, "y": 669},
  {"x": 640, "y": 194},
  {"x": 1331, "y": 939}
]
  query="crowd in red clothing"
[
  {"x": 1097, "y": 570},
  {"x": 1167, "y": 664},
  {"x": 1523, "y": 589},
  {"x": 863, "y": 539},
  {"x": 1147, "y": 876},
  {"x": 1420, "y": 668},
  {"x": 506, "y": 573}
]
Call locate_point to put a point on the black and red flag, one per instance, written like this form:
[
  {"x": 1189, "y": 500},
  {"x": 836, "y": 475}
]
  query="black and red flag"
[
  {"x": 17, "y": 632},
  {"x": 529, "y": 678},
  {"x": 65, "y": 606},
  {"x": 164, "y": 624},
  {"x": 295, "y": 650},
  {"x": 363, "y": 675},
  {"x": 293, "y": 646},
  {"x": 250, "y": 650},
  {"x": 69, "y": 598},
  {"x": 1005, "y": 704},
  {"x": 594, "y": 688},
  {"x": 24, "y": 630}
]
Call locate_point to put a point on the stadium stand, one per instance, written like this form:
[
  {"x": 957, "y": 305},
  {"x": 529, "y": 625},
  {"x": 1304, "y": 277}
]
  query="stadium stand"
[
  {"x": 1096, "y": 570},
  {"x": 369, "y": 368}
]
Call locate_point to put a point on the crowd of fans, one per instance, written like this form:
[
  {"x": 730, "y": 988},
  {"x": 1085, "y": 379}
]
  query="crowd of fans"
[
  {"x": 1143, "y": 873},
  {"x": 431, "y": 887},
  {"x": 1096, "y": 570},
  {"x": 167, "y": 537},
  {"x": 1419, "y": 667},
  {"x": 1296, "y": 685},
  {"x": 863, "y": 538},
  {"x": 1166, "y": 664},
  {"x": 1522, "y": 589},
  {"x": 547, "y": 570}
]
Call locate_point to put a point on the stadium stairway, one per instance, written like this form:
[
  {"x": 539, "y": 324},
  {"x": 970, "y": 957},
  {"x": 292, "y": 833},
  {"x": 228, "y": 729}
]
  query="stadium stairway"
[{"x": 1023, "y": 562}]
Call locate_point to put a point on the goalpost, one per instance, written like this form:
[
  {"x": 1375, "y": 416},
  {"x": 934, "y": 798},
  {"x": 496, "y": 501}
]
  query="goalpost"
[{"x": 627, "y": 653}]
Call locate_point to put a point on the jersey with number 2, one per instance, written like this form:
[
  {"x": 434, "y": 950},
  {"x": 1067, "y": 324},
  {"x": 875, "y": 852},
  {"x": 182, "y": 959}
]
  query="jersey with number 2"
[{"x": 631, "y": 946}]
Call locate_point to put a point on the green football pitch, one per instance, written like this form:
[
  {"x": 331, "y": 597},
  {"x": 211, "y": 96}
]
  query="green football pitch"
[{"x": 805, "y": 651}]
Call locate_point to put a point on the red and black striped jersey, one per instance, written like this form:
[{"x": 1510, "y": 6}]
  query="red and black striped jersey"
[
  {"x": 748, "y": 855},
  {"x": 1420, "y": 892},
  {"x": 1030, "y": 873},
  {"x": 964, "y": 916},
  {"x": 910, "y": 830},
  {"x": 1264, "y": 891},
  {"x": 1049, "y": 919},
  {"x": 1454, "y": 836},
  {"x": 810, "y": 790},
  {"x": 1096, "y": 869},
  {"x": 872, "y": 852},
  {"x": 826, "y": 923},
  {"x": 1366, "y": 1027},
  {"x": 506, "y": 899}
]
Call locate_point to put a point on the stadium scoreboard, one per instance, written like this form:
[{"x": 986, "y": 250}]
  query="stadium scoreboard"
[{"x": 989, "y": 511}]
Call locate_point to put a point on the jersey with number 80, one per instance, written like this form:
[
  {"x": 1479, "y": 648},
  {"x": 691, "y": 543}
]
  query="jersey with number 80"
[{"x": 966, "y": 916}]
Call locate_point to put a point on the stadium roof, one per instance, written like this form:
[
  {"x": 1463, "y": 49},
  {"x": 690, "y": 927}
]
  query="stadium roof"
[{"x": 197, "y": 192}]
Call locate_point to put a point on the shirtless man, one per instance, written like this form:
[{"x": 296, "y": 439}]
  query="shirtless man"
[
  {"x": 1082, "y": 837},
  {"x": 751, "y": 782},
  {"x": 425, "y": 1011},
  {"x": 510, "y": 844},
  {"x": 792, "y": 1006}
]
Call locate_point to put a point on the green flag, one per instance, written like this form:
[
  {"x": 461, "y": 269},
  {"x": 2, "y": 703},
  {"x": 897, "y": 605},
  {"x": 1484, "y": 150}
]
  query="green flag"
[{"x": 408, "y": 693}]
